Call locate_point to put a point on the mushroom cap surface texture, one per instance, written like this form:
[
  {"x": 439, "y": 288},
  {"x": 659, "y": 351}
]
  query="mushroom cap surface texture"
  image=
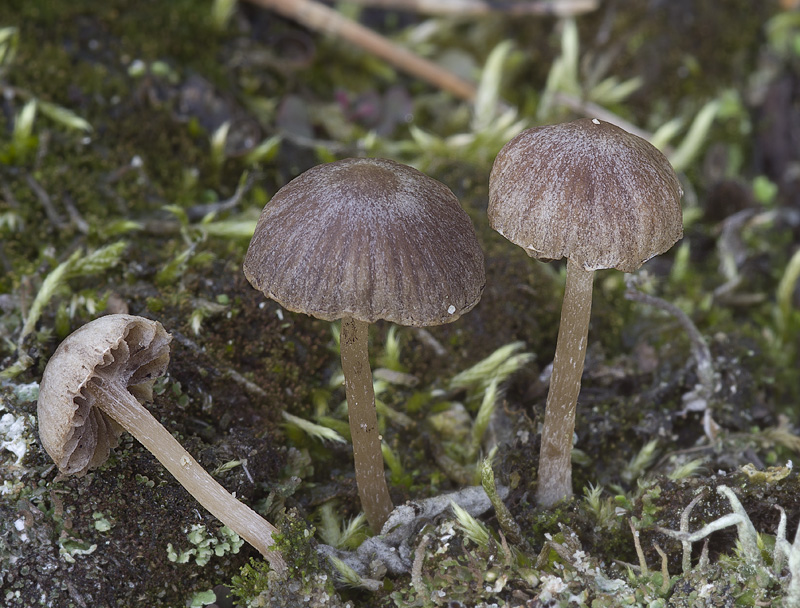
[
  {"x": 586, "y": 190},
  {"x": 128, "y": 351},
  {"x": 367, "y": 239}
]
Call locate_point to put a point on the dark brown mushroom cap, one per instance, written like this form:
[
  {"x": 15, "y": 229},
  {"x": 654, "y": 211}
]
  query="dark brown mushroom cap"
[
  {"x": 368, "y": 239},
  {"x": 131, "y": 352},
  {"x": 588, "y": 191}
]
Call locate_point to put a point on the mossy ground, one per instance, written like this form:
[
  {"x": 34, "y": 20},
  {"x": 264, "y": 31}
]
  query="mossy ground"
[{"x": 157, "y": 80}]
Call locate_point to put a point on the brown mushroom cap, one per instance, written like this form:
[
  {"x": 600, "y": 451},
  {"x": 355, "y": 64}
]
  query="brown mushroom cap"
[
  {"x": 588, "y": 191},
  {"x": 122, "y": 349},
  {"x": 368, "y": 239}
]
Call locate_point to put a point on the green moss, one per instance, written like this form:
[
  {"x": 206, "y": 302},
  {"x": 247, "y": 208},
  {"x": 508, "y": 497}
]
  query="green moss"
[
  {"x": 296, "y": 545},
  {"x": 307, "y": 581},
  {"x": 252, "y": 580}
]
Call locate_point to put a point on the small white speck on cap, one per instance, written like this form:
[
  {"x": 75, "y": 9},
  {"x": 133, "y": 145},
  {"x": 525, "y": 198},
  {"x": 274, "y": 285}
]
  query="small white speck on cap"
[
  {"x": 451, "y": 309},
  {"x": 595, "y": 121}
]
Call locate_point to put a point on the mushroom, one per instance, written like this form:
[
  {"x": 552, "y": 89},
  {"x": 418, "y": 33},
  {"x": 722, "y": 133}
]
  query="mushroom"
[
  {"x": 603, "y": 198},
  {"x": 91, "y": 391},
  {"x": 360, "y": 240}
]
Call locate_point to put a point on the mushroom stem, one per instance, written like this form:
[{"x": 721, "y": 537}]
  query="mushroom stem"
[
  {"x": 124, "y": 408},
  {"x": 367, "y": 454},
  {"x": 555, "y": 465}
]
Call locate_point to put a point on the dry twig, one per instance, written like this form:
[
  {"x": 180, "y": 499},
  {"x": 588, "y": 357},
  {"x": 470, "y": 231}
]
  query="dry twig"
[
  {"x": 556, "y": 8},
  {"x": 321, "y": 18}
]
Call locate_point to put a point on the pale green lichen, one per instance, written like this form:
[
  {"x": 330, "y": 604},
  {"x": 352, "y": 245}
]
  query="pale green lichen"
[
  {"x": 69, "y": 548},
  {"x": 202, "y": 598},
  {"x": 26, "y": 392},
  {"x": 748, "y": 538},
  {"x": 205, "y": 545},
  {"x": 101, "y": 522}
]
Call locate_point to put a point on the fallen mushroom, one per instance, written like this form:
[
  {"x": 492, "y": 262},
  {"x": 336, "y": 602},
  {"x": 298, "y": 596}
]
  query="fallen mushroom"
[
  {"x": 361, "y": 240},
  {"x": 91, "y": 391},
  {"x": 603, "y": 198}
]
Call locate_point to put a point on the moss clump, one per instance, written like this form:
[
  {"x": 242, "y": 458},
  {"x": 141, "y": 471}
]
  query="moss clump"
[
  {"x": 252, "y": 580},
  {"x": 307, "y": 583},
  {"x": 297, "y": 547}
]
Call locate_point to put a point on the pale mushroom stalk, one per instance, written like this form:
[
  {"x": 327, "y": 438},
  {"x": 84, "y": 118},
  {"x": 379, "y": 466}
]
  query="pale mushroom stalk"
[
  {"x": 119, "y": 404},
  {"x": 370, "y": 476},
  {"x": 555, "y": 470}
]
